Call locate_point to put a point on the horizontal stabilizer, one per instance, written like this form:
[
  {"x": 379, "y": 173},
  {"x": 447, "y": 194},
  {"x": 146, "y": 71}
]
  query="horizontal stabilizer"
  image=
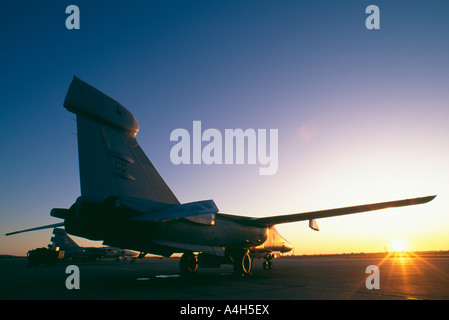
[
  {"x": 179, "y": 211},
  {"x": 270, "y": 221},
  {"x": 60, "y": 224}
]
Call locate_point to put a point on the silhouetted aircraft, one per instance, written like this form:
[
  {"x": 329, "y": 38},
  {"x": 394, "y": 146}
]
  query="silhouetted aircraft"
[
  {"x": 73, "y": 251},
  {"x": 125, "y": 202}
]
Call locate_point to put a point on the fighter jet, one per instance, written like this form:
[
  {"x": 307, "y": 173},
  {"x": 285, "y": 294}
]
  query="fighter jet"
[
  {"x": 125, "y": 202},
  {"x": 74, "y": 251}
]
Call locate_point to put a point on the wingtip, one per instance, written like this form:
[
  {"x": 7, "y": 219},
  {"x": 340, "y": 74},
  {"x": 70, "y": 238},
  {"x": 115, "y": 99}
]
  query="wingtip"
[{"x": 426, "y": 199}]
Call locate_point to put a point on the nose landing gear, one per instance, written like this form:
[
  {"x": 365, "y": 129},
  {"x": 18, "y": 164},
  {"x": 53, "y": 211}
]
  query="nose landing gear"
[{"x": 267, "y": 264}]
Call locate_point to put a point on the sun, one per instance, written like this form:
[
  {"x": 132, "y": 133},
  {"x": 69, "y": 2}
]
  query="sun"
[{"x": 399, "y": 245}]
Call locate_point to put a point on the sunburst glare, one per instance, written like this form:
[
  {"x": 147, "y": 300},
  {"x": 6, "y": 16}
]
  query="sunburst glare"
[{"x": 399, "y": 245}]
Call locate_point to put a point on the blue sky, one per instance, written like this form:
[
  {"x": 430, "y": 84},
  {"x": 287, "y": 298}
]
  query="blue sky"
[{"x": 362, "y": 114}]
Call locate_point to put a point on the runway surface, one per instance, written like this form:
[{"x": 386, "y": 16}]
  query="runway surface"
[{"x": 291, "y": 279}]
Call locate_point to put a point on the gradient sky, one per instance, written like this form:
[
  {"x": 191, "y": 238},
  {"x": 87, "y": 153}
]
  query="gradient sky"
[{"x": 362, "y": 114}]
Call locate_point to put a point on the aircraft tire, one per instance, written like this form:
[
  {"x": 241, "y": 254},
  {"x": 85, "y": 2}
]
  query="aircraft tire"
[
  {"x": 243, "y": 264},
  {"x": 188, "y": 263}
]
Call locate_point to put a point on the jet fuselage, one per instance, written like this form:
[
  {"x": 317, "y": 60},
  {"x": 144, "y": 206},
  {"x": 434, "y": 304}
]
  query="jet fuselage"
[{"x": 104, "y": 221}]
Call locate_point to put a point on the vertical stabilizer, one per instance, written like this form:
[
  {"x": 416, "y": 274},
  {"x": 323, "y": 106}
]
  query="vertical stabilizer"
[
  {"x": 62, "y": 240},
  {"x": 110, "y": 159}
]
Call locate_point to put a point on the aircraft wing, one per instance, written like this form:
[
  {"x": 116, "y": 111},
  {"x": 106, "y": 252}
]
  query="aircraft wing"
[
  {"x": 270, "y": 221},
  {"x": 185, "y": 210}
]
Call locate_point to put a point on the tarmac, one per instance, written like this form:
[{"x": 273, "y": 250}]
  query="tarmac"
[{"x": 292, "y": 278}]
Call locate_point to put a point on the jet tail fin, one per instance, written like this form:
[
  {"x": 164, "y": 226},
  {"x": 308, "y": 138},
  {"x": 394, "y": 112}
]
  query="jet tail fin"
[
  {"x": 110, "y": 159},
  {"x": 62, "y": 240}
]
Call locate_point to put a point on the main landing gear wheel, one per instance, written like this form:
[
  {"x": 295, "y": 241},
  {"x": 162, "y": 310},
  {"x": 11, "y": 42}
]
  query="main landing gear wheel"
[
  {"x": 242, "y": 264},
  {"x": 188, "y": 263}
]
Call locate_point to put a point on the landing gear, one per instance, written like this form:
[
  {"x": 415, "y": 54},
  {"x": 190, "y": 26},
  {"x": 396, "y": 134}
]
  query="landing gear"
[
  {"x": 188, "y": 263},
  {"x": 242, "y": 263},
  {"x": 267, "y": 264},
  {"x": 141, "y": 255}
]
